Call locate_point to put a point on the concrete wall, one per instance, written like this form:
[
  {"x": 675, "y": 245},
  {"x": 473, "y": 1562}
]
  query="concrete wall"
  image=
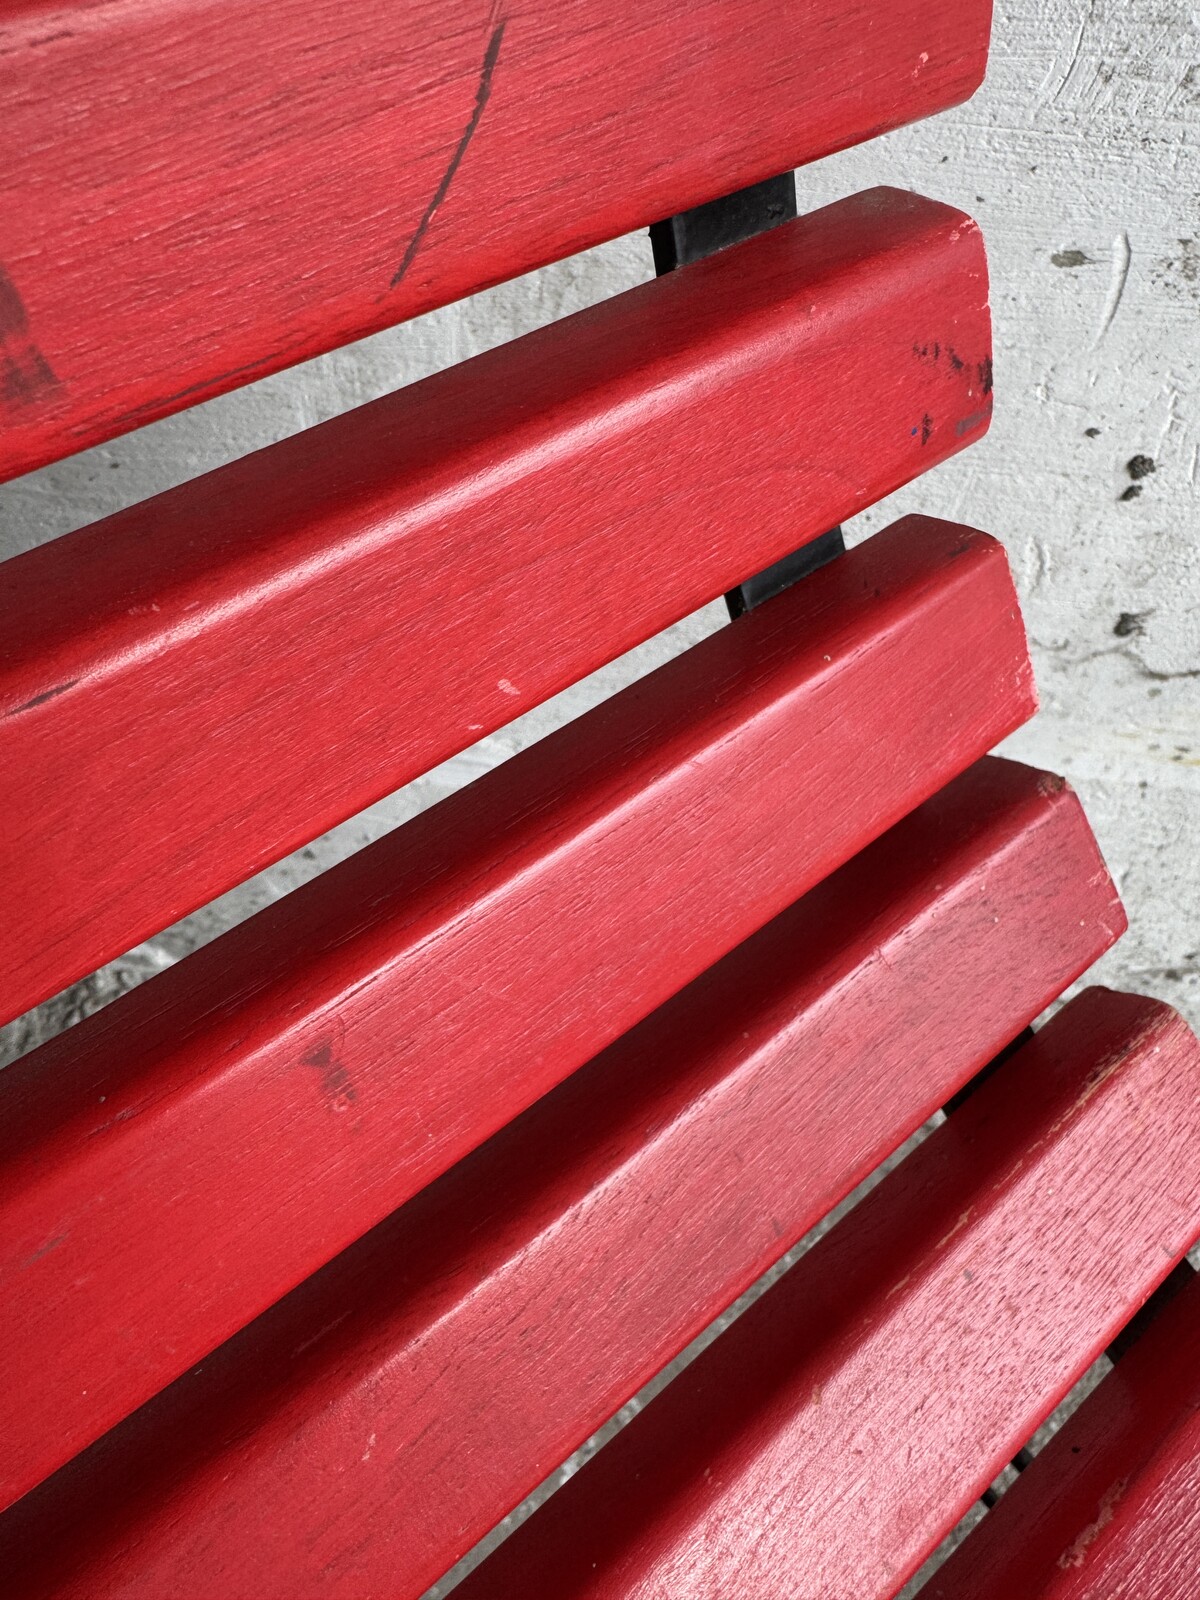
[{"x": 1081, "y": 159}]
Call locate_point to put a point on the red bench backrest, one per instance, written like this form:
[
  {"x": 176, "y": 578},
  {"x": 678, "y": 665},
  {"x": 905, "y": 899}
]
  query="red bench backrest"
[{"x": 331, "y": 1241}]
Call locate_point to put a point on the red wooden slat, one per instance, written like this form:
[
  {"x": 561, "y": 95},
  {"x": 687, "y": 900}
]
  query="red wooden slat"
[
  {"x": 176, "y": 1163},
  {"x": 823, "y": 1445},
  {"x": 218, "y": 675},
  {"x": 1110, "y": 1509},
  {"x": 483, "y": 1331},
  {"x": 196, "y": 193}
]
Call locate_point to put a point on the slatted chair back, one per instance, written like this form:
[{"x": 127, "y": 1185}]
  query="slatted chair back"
[
  {"x": 1108, "y": 1509},
  {"x": 319, "y": 1250},
  {"x": 197, "y": 195}
]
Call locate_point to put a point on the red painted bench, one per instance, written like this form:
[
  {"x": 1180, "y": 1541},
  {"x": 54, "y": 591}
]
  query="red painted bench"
[
  {"x": 1108, "y": 1510},
  {"x": 347, "y": 590},
  {"x": 829, "y": 1439},
  {"x": 322, "y": 1248}
]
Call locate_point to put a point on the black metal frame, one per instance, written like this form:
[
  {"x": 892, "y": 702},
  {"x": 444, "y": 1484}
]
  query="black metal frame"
[{"x": 692, "y": 235}]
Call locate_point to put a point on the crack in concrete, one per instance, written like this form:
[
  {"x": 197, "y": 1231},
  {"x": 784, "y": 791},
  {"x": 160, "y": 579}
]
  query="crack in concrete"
[
  {"x": 1130, "y": 655},
  {"x": 1122, "y": 261}
]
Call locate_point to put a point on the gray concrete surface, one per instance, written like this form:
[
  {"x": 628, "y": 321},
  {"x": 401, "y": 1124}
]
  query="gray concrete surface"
[{"x": 1081, "y": 159}]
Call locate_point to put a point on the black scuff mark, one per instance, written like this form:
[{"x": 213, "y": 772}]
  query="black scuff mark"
[
  {"x": 208, "y": 387},
  {"x": 975, "y": 420},
  {"x": 482, "y": 95},
  {"x": 986, "y": 375},
  {"x": 40, "y": 699},
  {"x": 926, "y": 428},
  {"x": 25, "y": 375},
  {"x": 336, "y": 1087},
  {"x": 46, "y": 1249}
]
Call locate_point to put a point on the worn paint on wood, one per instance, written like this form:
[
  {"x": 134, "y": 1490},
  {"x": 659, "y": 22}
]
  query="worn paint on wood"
[
  {"x": 286, "y": 640},
  {"x": 1110, "y": 1508},
  {"x": 177, "y": 1162},
  {"x": 195, "y": 194},
  {"x": 828, "y": 1440},
  {"x": 359, "y": 1438}
]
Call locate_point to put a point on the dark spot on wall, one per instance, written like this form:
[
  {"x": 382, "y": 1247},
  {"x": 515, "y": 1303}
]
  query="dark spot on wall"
[
  {"x": 1071, "y": 258},
  {"x": 986, "y": 374},
  {"x": 1185, "y": 265},
  {"x": 1130, "y": 624},
  {"x": 956, "y": 361},
  {"x": 1132, "y": 492},
  {"x": 1091, "y": 433},
  {"x": 1141, "y": 467},
  {"x": 926, "y": 428},
  {"x": 1179, "y": 274}
]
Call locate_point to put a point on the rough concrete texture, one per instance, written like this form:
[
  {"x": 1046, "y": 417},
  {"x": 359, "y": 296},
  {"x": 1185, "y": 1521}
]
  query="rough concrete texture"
[{"x": 1081, "y": 160}]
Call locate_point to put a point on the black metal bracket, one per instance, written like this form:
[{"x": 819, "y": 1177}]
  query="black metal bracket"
[
  {"x": 705, "y": 229},
  {"x": 692, "y": 235},
  {"x": 775, "y": 579}
]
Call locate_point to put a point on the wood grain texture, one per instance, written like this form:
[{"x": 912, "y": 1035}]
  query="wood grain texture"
[
  {"x": 1110, "y": 1508},
  {"x": 361, "y": 1436},
  {"x": 196, "y": 194},
  {"x": 282, "y": 642},
  {"x": 177, "y": 1162},
  {"x": 822, "y": 1446}
]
